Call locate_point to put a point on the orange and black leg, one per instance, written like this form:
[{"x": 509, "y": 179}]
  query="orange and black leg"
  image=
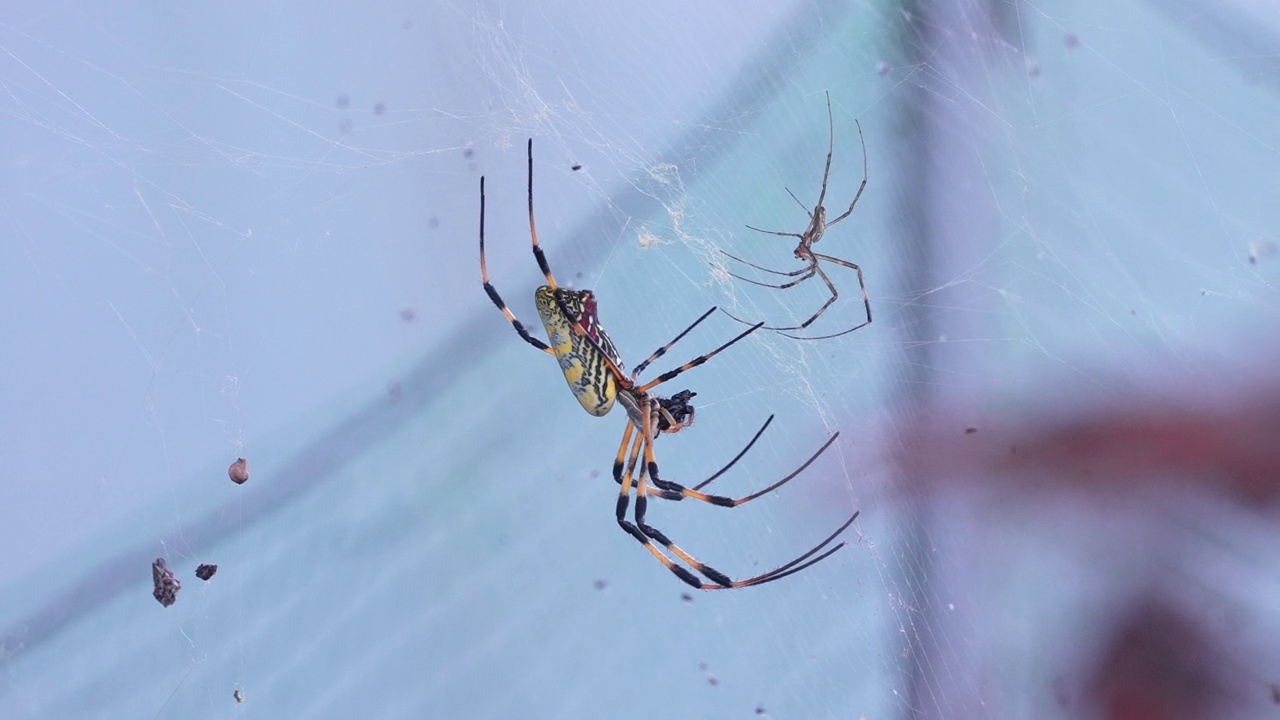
[
  {"x": 674, "y": 491},
  {"x": 533, "y": 232},
  {"x": 624, "y": 496},
  {"x": 663, "y": 350},
  {"x": 668, "y": 375},
  {"x": 493, "y": 293}
]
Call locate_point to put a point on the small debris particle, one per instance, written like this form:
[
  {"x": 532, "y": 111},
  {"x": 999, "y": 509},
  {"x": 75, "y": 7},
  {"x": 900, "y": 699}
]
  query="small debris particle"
[
  {"x": 395, "y": 392},
  {"x": 166, "y": 585},
  {"x": 408, "y": 314},
  {"x": 687, "y": 598},
  {"x": 239, "y": 471},
  {"x": 344, "y": 126},
  {"x": 576, "y": 168},
  {"x": 238, "y": 695},
  {"x": 1071, "y": 41},
  {"x": 206, "y": 571},
  {"x": 1275, "y": 693},
  {"x": 379, "y": 108},
  {"x": 882, "y": 68},
  {"x": 343, "y": 101},
  {"x": 601, "y": 584},
  {"x": 1262, "y": 249},
  {"x": 467, "y": 152},
  {"x": 433, "y": 222},
  {"x": 595, "y": 473},
  {"x": 970, "y": 430},
  {"x": 712, "y": 680},
  {"x": 759, "y": 709}
]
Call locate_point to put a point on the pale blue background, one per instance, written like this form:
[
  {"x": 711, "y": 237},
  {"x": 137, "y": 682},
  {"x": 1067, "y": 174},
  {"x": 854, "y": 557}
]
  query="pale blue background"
[{"x": 250, "y": 229}]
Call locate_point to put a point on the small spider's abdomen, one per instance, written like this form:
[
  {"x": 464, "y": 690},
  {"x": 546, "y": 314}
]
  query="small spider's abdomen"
[{"x": 583, "y": 365}]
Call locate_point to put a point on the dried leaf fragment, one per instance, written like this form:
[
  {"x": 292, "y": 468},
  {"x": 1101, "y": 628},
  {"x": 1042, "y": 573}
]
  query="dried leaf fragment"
[{"x": 166, "y": 585}]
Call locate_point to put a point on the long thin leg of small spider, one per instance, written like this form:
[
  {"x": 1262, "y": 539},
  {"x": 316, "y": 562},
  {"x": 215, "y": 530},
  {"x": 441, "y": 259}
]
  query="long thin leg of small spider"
[
  {"x": 826, "y": 173},
  {"x": 816, "y": 223},
  {"x": 662, "y": 350},
  {"x": 811, "y": 270},
  {"x": 817, "y": 217},
  {"x": 831, "y": 146},
  {"x": 861, "y": 187},
  {"x": 793, "y": 273},
  {"x": 804, "y": 207},
  {"x": 776, "y": 232},
  {"x": 866, "y": 301},
  {"x": 493, "y": 292},
  {"x": 670, "y": 374},
  {"x": 831, "y": 288},
  {"x": 533, "y": 232},
  {"x": 674, "y": 491},
  {"x": 804, "y": 273},
  {"x": 822, "y": 195}
]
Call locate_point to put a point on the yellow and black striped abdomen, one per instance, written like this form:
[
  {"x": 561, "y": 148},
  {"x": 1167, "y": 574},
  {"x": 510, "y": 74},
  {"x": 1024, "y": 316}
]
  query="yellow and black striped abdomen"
[{"x": 582, "y": 363}]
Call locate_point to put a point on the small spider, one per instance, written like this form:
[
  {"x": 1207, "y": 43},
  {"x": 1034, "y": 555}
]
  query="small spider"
[
  {"x": 804, "y": 250},
  {"x": 596, "y": 375}
]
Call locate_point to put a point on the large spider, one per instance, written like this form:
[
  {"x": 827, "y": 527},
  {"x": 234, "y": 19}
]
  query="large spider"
[
  {"x": 595, "y": 373},
  {"x": 804, "y": 250}
]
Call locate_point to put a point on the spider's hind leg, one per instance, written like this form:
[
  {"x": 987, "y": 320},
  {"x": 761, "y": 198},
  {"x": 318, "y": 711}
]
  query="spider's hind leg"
[
  {"x": 719, "y": 581},
  {"x": 639, "y": 530}
]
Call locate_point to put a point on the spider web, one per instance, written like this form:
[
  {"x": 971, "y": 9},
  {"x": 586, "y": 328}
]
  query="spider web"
[{"x": 250, "y": 231}]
